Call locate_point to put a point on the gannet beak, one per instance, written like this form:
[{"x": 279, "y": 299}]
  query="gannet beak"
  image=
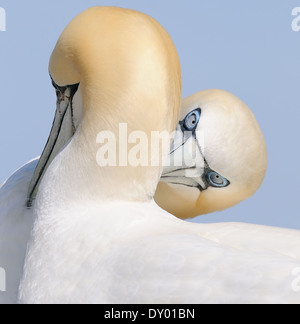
[
  {"x": 227, "y": 140},
  {"x": 62, "y": 130},
  {"x": 186, "y": 163}
]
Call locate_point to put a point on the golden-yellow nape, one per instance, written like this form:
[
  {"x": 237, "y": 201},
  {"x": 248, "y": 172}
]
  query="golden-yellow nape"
[
  {"x": 107, "y": 47},
  {"x": 118, "y": 55},
  {"x": 233, "y": 148}
]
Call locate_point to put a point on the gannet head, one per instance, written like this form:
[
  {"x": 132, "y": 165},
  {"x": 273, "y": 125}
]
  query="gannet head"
[
  {"x": 111, "y": 66},
  {"x": 220, "y": 156}
]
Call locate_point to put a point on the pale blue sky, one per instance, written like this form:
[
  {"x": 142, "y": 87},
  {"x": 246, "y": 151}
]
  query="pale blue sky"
[{"x": 245, "y": 47}]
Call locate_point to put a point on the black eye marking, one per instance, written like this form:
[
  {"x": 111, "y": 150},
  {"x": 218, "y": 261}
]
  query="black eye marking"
[
  {"x": 191, "y": 121},
  {"x": 215, "y": 180},
  {"x": 60, "y": 91},
  {"x": 61, "y": 95}
]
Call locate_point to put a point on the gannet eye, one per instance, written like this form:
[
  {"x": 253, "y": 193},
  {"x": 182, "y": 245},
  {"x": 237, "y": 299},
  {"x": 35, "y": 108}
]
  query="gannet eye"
[
  {"x": 216, "y": 180},
  {"x": 192, "y": 119}
]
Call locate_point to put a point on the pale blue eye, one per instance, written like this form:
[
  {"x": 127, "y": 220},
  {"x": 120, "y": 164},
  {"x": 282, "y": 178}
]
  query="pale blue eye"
[
  {"x": 192, "y": 119},
  {"x": 216, "y": 180}
]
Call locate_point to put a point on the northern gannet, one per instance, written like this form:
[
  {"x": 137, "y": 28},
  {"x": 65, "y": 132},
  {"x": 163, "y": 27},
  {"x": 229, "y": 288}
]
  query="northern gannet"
[
  {"x": 172, "y": 246},
  {"x": 229, "y": 157},
  {"x": 181, "y": 200}
]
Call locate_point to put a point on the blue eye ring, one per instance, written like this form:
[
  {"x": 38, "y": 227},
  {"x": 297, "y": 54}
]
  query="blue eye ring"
[
  {"x": 215, "y": 180},
  {"x": 191, "y": 121}
]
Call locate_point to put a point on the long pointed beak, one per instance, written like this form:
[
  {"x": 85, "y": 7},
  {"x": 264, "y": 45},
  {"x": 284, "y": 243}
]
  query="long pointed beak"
[
  {"x": 62, "y": 130},
  {"x": 186, "y": 163}
]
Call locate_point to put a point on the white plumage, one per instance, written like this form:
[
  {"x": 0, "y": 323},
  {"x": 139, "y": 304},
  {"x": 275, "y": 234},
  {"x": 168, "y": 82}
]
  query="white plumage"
[
  {"x": 15, "y": 227},
  {"x": 136, "y": 253},
  {"x": 158, "y": 258}
]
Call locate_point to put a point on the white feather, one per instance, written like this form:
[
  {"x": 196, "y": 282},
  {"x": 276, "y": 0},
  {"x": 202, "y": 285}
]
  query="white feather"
[
  {"x": 15, "y": 226},
  {"x": 136, "y": 253}
]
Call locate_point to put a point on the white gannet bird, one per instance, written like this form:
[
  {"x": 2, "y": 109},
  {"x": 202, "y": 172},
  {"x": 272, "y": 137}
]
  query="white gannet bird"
[
  {"x": 228, "y": 161},
  {"x": 191, "y": 254},
  {"x": 183, "y": 200}
]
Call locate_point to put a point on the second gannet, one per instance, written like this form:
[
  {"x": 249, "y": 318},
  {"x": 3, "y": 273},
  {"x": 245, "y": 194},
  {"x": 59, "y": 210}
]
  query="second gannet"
[{"x": 229, "y": 158}]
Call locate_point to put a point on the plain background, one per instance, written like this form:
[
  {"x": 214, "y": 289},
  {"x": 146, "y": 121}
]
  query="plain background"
[{"x": 245, "y": 47}]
